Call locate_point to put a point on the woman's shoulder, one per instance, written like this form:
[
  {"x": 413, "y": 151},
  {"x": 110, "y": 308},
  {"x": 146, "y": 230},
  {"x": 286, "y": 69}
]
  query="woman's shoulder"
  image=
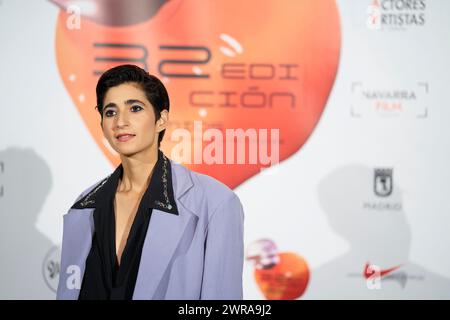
[
  {"x": 201, "y": 181},
  {"x": 211, "y": 185},
  {"x": 223, "y": 202},
  {"x": 213, "y": 191}
]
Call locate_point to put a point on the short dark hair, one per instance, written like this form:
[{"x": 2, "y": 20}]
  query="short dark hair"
[{"x": 153, "y": 88}]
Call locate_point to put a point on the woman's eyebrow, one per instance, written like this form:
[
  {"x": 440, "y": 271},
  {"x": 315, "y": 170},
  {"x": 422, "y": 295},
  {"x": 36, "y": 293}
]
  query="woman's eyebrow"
[
  {"x": 110, "y": 105},
  {"x": 132, "y": 101},
  {"x": 127, "y": 102}
]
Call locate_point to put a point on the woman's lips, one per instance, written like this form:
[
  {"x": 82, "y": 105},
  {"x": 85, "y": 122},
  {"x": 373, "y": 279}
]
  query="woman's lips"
[{"x": 126, "y": 137}]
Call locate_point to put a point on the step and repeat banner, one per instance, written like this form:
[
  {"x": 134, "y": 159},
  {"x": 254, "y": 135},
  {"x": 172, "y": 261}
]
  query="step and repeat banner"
[{"x": 339, "y": 110}]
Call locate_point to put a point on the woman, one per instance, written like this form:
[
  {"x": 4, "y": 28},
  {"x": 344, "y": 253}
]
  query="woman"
[{"x": 152, "y": 229}]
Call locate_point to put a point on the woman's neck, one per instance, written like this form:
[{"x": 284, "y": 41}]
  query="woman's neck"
[{"x": 137, "y": 172}]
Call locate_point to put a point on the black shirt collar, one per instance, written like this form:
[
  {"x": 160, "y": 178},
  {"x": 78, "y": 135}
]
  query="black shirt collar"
[{"x": 159, "y": 194}]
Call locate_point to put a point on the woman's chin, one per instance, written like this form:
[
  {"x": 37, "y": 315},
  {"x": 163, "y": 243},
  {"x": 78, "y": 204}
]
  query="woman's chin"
[{"x": 126, "y": 150}]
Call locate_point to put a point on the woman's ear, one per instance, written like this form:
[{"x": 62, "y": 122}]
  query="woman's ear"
[{"x": 162, "y": 122}]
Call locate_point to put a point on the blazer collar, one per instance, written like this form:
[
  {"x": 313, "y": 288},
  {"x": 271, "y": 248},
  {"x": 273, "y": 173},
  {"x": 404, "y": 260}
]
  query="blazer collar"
[{"x": 159, "y": 194}]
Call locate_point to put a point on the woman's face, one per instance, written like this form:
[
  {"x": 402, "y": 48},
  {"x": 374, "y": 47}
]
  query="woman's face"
[{"x": 129, "y": 120}]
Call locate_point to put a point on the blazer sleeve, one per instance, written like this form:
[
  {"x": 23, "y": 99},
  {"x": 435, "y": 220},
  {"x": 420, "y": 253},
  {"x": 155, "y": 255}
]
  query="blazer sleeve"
[{"x": 224, "y": 252}]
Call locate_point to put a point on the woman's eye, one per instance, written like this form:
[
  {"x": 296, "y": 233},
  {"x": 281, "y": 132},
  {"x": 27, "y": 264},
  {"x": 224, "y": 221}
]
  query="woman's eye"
[
  {"x": 136, "y": 108},
  {"x": 109, "y": 113}
]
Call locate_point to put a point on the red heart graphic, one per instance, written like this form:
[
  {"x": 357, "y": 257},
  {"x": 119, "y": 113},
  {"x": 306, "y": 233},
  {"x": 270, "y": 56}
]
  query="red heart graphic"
[{"x": 230, "y": 64}]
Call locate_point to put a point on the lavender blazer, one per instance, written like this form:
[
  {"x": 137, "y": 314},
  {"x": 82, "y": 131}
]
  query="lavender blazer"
[{"x": 197, "y": 254}]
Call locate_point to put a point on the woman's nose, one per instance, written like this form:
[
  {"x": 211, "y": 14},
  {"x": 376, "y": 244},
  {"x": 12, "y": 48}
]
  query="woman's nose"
[{"x": 122, "y": 119}]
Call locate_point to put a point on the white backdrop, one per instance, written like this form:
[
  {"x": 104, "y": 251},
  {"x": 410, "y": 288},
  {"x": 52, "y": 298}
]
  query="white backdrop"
[{"x": 320, "y": 203}]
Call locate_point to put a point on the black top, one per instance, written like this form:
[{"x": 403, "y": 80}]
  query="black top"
[{"x": 104, "y": 278}]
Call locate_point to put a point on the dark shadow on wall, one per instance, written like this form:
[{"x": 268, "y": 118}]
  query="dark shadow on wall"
[
  {"x": 25, "y": 182},
  {"x": 365, "y": 207}
]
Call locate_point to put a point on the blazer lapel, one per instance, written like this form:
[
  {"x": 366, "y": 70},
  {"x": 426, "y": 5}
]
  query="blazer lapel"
[
  {"x": 77, "y": 241},
  {"x": 163, "y": 236}
]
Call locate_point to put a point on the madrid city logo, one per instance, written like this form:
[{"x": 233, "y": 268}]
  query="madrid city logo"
[
  {"x": 383, "y": 182},
  {"x": 383, "y": 189}
]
